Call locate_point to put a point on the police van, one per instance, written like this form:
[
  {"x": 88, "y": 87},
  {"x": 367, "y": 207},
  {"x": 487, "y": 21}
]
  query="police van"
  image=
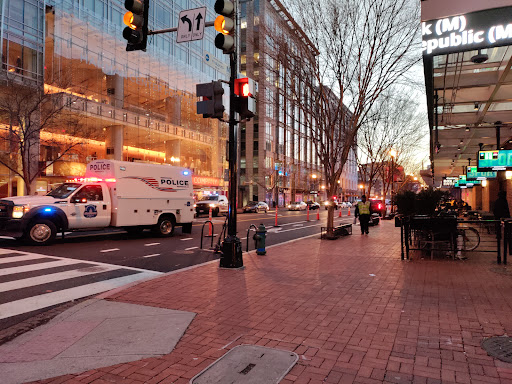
[{"x": 133, "y": 196}]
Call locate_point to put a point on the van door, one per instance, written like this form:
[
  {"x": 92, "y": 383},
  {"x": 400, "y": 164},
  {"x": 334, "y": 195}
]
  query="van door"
[{"x": 88, "y": 209}]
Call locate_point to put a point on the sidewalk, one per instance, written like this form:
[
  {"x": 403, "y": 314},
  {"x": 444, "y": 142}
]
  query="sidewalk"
[{"x": 350, "y": 309}]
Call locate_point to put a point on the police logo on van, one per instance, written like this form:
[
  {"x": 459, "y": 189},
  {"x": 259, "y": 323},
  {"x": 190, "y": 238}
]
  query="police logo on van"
[
  {"x": 90, "y": 211},
  {"x": 166, "y": 184}
]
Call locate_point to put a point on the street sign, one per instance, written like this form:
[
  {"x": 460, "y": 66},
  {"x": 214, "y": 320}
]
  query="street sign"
[
  {"x": 218, "y": 65},
  {"x": 191, "y": 25}
]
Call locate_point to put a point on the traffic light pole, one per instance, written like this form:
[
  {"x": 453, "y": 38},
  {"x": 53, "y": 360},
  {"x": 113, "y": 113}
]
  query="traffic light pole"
[{"x": 232, "y": 246}]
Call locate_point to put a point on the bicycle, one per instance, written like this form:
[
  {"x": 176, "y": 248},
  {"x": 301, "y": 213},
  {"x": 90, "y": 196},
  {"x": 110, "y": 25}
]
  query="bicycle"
[{"x": 470, "y": 238}]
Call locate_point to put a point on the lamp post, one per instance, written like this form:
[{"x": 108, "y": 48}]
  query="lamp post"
[
  {"x": 361, "y": 187},
  {"x": 392, "y": 153}
]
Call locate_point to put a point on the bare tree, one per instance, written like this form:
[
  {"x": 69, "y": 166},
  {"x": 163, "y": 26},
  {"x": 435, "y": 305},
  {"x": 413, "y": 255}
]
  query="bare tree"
[
  {"x": 365, "y": 47},
  {"x": 33, "y": 116},
  {"x": 396, "y": 125}
]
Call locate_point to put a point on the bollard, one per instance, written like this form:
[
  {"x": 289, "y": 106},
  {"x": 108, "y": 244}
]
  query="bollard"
[
  {"x": 307, "y": 218},
  {"x": 259, "y": 238},
  {"x": 318, "y": 214},
  {"x": 339, "y": 215},
  {"x": 275, "y": 224},
  {"x": 210, "y": 234},
  {"x": 348, "y": 213}
]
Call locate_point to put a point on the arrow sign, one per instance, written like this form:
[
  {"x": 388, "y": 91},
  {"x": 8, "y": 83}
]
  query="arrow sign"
[
  {"x": 191, "y": 25},
  {"x": 185, "y": 19},
  {"x": 199, "y": 17}
]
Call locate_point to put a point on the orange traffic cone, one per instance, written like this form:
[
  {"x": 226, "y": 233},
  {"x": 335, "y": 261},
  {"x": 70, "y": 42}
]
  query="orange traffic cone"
[
  {"x": 348, "y": 214},
  {"x": 275, "y": 225},
  {"x": 318, "y": 214},
  {"x": 307, "y": 218},
  {"x": 340, "y": 212}
]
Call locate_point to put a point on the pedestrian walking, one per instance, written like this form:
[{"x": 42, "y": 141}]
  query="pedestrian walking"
[
  {"x": 501, "y": 210},
  {"x": 363, "y": 212}
]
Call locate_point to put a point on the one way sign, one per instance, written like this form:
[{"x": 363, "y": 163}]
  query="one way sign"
[{"x": 191, "y": 25}]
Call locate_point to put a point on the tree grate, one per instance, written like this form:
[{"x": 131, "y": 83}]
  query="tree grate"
[{"x": 499, "y": 347}]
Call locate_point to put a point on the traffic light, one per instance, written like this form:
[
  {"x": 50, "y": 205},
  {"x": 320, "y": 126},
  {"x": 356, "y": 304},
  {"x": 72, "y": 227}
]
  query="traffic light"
[
  {"x": 245, "y": 89},
  {"x": 225, "y": 24},
  {"x": 136, "y": 19},
  {"x": 211, "y": 104}
]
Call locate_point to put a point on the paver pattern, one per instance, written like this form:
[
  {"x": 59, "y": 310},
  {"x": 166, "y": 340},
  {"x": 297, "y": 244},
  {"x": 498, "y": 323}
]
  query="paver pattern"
[{"x": 350, "y": 308}]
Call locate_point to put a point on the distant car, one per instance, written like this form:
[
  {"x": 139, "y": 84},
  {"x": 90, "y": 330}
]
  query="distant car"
[
  {"x": 377, "y": 206},
  {"x": 297, "y": 206},
  {"x": 313, "y": 205},
  {"x": 328, "y": 203},
  {"x": 343, "y": 205},
  {"x": 349, "y": 204},
  {"x": 255, "y": 206}
]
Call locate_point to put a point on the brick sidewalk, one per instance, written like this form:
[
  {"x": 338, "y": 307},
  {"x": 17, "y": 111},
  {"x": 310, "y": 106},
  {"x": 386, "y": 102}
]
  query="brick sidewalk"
[{"x": 349, "y": 308}]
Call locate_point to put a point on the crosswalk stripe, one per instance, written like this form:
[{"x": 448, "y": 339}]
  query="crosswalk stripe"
[
  {"x": 4, "y": 287},
  {"x": 15, "y": 259},
  {"x": 33, "y": 267},
  {"x": 34, "y": 303}
]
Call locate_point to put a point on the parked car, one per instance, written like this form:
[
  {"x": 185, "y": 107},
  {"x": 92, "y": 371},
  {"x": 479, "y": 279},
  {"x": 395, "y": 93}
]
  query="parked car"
[
  {"x": 313, "y": 205},
  {"x": 255, "y": 206},
  {"x": 377, "y": 206},
  {"x": 297, "y": 206},
  {"x": 349, "y": 204},
  {"x": 343, "y": 205},
  {"x": 218, "y": 203}
]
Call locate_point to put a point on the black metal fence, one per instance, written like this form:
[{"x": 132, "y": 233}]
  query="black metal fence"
[{"x": 454, "y": 236}]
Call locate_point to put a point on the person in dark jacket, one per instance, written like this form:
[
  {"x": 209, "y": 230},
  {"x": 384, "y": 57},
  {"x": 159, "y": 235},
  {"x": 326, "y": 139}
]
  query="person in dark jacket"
[{"x": 501, "y": 210}]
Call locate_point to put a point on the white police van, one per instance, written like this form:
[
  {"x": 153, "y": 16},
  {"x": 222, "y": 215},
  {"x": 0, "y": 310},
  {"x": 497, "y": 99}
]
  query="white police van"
[{"x": 133, "y": 196}]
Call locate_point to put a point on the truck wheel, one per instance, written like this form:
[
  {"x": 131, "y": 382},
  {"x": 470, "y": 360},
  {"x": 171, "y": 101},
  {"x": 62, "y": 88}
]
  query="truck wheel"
[
  {"x": 41, "y": 232},
  {"x": 186, "y": 228},
  {"x": 215, "y": 212},
  {"x": 165, "y": 226}
]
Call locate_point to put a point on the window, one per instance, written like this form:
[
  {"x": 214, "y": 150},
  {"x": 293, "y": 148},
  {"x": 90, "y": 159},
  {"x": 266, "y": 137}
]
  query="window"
[{"x": 91, "y": 193}]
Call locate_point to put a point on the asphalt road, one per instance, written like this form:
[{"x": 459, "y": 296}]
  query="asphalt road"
[
  {"x": 36, "y": 278},
  {"x": 145, "y": 251}
]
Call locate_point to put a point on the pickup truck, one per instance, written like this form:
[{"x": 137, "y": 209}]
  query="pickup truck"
[
  {"x": 120, "y": 194},
  {"x": 218, "y": 204}
]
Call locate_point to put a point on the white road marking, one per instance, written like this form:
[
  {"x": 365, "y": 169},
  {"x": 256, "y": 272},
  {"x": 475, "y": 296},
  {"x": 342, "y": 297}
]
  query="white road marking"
[
  {"x": 243, "y": 238},
  {"x": 153, "y": 255},
  {"x": 188, "y": 249},
  {"x": 151, "y": 244},
  {"x": 298, "y": 225},
  {"x": 15, "y": 259},
  {"x": 110, "y": 250},
  {"x": 35, "y": 267},
  {"x": 31, "y": 281},
  {"x": 187, "y": 238},
  {"x": 33, "y": 303}
]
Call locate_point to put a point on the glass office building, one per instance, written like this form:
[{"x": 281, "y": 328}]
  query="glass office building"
[
  {"x": 278, "y": 161},
  {"x": 134, "y": 106}
]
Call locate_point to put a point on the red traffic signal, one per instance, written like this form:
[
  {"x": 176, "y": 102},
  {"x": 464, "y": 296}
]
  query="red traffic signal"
[{"x": 244, "y": 87}]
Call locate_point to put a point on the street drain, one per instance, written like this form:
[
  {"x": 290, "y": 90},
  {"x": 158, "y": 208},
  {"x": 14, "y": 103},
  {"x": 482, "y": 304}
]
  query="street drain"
[
  {"x": 248, "y": 364},
  {"x": 499, "y": 347}
]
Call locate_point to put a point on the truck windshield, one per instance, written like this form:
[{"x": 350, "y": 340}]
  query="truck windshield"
[
  {"x": 210, "y": 198},
  {"x": 64, "y": 190}
]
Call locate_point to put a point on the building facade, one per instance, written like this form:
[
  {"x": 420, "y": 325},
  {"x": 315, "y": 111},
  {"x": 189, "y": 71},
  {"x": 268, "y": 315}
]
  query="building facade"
[
  {"x": 133, "y": 106},
  {"x": 278, "y": 161}
]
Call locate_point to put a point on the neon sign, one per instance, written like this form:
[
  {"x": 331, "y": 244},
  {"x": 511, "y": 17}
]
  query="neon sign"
[{"x": 483, "y": 29}]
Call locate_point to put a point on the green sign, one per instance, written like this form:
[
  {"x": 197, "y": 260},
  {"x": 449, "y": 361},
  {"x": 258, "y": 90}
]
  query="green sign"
[
  {"x": 494, "y": 160},
  {"x": 464, "y": 183},
  {"x": 473, "y": 174}
]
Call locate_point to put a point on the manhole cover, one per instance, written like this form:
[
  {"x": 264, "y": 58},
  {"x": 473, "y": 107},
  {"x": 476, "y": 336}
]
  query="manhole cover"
[
  {"x": 248, "y": 364},
  {"x": 499, "y": 347}
]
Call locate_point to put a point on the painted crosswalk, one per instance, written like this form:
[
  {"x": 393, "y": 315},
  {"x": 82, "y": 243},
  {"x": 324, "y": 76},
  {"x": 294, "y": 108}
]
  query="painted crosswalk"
[{"x": 31, "y": 282}]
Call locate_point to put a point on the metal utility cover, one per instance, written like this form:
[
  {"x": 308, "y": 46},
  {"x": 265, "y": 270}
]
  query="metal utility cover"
[
  {"x": 248, "y": 364},
  {"x": 499, "y": 347}
]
